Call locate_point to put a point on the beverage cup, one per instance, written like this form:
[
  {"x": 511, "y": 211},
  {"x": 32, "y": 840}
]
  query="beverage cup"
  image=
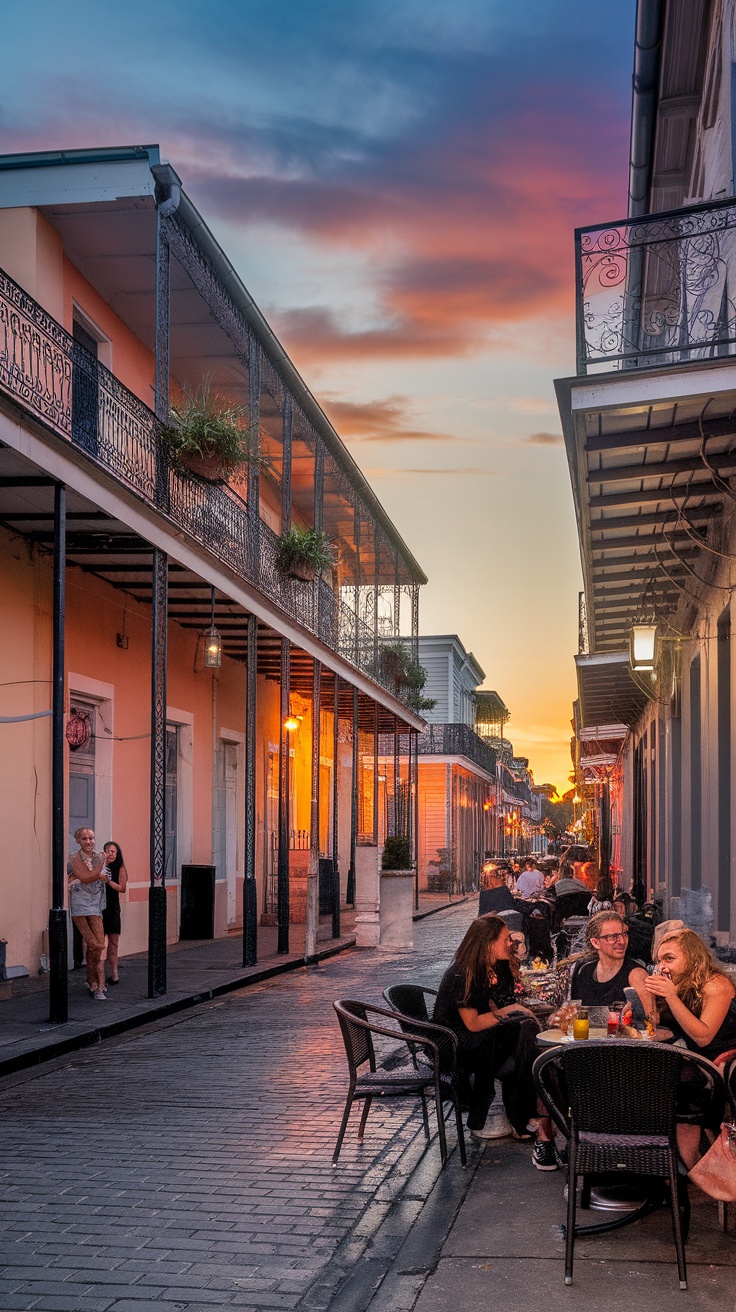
[
  {"x": 581, "y": 1024},
  {"x": 614, "y": 1019}
]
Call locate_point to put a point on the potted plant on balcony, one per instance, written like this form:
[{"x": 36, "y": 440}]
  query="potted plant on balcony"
[
  {"x": 209, "y": 437},
  {"x": 302, "y": 553},
  {"x": 405, "y": 676}
]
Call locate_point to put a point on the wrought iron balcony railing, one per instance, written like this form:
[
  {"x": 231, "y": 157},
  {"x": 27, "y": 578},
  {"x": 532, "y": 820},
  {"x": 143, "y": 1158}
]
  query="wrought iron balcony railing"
[
  {"x": 56, "y": 380},
  {"x": 457, "y": 740},
  {"x": 658, "y": 290}
]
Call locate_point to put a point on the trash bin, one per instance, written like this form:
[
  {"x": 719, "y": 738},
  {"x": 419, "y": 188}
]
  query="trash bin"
[
  {"x": 197, "y": 902},
  {"x": 326, "y": 885}
]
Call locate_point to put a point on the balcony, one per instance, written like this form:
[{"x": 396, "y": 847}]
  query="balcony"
[
  {"x": 657, "y": 291},
  {"x": 48, "y": 375},
  {"x": 457, "y": 740}
]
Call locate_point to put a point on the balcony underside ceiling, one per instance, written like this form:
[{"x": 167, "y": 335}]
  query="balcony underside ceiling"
[
  {"x": 102, "y": 546},
  {"x": 611, "y": 699},
  {"x": 654, "y": 486}
]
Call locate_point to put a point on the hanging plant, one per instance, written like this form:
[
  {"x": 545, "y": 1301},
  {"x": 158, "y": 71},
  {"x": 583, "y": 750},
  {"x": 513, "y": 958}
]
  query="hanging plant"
[
  {"x": 405, "y": 676},
  {"x": 302, "y": 553},
  {"x": 209, "y": 437}
]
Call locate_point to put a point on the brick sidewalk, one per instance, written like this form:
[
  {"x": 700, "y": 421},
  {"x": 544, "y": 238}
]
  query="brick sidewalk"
[{"x": 188, "y": 1164}]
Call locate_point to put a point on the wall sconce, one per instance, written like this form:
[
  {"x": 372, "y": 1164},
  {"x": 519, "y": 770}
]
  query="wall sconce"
[
  {"x": 291, "y": 723},
  {"x": 212, "y": 643},
  {"x": 643, "y": 640}
]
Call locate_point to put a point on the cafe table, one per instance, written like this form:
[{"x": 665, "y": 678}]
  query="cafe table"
[{"x": 626, "y": 1199}]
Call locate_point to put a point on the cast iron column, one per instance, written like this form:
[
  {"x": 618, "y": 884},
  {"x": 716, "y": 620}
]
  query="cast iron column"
[
  {"x": 350, "y": 895},
  {"x": 284, "y": 768},
  {"x": 250, "y": 901},
  {"x": 254, "y": 476},
  {"x": 336, "y": 813},
  {"x": 163, "y": 317},
  {"x": 58, "y": 965},
  {"x": 375, "y": 774},
  {"x": 286, "y": 465},
  {"x": 397, "y": 776},
  {"x": 157, "y": 890},
  {"x": 310, "y": 938}
]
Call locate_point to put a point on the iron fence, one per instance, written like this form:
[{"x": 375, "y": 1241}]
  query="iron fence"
[
  {"x": 657, "y": 290},
  {"x": 56, "y": 380}
]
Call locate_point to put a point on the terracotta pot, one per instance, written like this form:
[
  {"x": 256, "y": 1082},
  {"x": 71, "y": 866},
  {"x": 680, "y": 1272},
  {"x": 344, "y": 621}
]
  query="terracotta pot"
[
  {"x": 301, "y": 569},
  {"x": 208, "y": 468}
]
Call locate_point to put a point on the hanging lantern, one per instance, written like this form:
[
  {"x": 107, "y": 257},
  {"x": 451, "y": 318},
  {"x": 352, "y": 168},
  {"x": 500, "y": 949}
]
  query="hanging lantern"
[
  {"x": 212, "y": 642},
  {"x": 643, "y": 639}
]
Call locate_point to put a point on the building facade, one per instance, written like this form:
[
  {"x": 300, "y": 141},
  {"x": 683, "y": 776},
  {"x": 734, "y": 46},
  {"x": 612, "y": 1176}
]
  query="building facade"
[
  {"x": 119, "y": 569},
  {"x": 649, "y": 430}
]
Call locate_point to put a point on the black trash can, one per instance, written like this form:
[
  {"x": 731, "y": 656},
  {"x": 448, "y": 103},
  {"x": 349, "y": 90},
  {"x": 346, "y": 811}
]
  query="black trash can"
[
  {"x": 326, "y": 885},
  {"x": 197, "y": 902}
]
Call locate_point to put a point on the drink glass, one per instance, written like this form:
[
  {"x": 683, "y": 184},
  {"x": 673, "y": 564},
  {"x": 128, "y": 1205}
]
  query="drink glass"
[
  {"x": 614, "y": 1019},
  {"x": 581, "y": 1024}
]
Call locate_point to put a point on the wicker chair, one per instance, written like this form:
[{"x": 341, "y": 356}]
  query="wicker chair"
[
  {"x": 622, "y": 1100},
  {"x": 435, "y": 1072},
  {"x": 410, "y": 1000},
  {"x": 729, "y": 1075}
]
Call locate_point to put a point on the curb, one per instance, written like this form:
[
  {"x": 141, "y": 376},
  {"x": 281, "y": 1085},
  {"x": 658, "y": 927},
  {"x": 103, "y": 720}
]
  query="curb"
[
  {"x": 36, "y": 1056},
  {"x": 444, "y": 906}
]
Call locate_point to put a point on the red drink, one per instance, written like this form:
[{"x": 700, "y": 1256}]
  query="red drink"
[{"x": 612, "y": 1026}]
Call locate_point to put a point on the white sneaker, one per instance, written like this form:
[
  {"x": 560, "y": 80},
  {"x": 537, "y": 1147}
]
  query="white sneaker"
[
  {"x": 496, "y": 1127},
  {"x": 100, "y": 996}
]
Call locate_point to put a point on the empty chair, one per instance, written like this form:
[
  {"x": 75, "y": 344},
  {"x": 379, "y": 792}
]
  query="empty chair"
[
  {"x": 435, "y": 1072},
  {"x": 616, "y": 1104}
]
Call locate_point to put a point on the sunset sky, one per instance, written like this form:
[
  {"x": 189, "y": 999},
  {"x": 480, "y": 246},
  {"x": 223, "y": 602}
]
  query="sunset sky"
[{"x": 397, "y": 182}]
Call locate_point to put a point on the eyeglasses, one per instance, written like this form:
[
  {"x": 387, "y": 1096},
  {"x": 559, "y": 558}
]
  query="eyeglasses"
[{"x": 613, "y": 938}]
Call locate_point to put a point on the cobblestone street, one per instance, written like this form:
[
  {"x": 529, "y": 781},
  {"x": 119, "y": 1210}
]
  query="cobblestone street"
[{"x": 189, "y": 1164}]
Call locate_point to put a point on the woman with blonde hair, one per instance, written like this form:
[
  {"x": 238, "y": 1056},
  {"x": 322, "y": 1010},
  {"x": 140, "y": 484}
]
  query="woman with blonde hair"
[{"x": 698, "y": 1001}]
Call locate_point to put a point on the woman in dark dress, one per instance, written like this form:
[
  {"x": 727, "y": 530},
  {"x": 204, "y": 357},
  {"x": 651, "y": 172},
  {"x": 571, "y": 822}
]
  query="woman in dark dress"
[
  {"x": 111, "y": 915},
  {"x": 490, "y": 1034},
  {"x": 693, "y": 996}
]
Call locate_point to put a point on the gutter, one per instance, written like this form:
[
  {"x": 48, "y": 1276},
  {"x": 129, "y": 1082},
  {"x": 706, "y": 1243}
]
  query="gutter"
[{"x": 644, "y": 100}]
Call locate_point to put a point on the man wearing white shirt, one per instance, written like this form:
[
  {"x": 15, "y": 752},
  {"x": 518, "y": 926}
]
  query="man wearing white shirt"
[{"x": 530, "y": 881}]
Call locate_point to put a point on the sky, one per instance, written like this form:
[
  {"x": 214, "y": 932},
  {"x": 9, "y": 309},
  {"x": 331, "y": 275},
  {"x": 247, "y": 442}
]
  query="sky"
[{"x": 397, "y": 183}]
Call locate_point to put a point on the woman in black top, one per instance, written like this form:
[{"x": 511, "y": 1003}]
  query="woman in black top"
[
  {"x": 111, "y": 915},
  {"x": 489, "y": 1034}
]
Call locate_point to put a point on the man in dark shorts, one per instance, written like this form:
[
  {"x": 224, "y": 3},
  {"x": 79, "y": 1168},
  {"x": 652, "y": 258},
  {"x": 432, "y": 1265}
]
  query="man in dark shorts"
[{"x": 600, "y": 981}]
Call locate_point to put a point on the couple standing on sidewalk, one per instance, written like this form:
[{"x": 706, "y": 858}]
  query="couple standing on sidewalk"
[{"x": 96, "y": 880}]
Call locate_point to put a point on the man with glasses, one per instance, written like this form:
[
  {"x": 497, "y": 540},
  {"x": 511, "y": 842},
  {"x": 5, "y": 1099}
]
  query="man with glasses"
[{"x": 600, "y": 978}]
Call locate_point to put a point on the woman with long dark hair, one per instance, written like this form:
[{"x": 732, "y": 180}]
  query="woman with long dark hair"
[
  {"x": 492, "y": 1036},
  {"x": 111, "y": 915}
]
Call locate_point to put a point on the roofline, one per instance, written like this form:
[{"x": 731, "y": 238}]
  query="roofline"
[
  {"x": 190, "y": 216},
  {"x": 94, "y": 155}
]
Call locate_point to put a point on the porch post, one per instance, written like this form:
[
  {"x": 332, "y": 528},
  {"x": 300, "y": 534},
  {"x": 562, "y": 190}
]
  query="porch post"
[
  {"x": 58, "y": 978},
  {"x": 163, "y": 317},
  {"x": 375, "y": 774},
  {"x": 310, "y": 939},
  {"x": 157, "y": 890},
  {"x": 336, "y": 812},
  {"x": 254, "y": 476},
  {"x": 397, "y": 777},
  {"x": 286, "y": 466},
  {"x": 350, "y": 895},
  {"x": 250, "y": 901},
  {"x": 284, "y": 779},
  {"x": 414, "y": 811}
]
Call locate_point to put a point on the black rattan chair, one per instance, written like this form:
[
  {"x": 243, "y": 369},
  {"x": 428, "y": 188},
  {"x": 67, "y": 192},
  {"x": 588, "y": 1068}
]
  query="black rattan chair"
[
  {"x": 411, "y": 1000},
  {"x": 616, "y": 1104},
  {"x": 435, "y": 1072},
  {"x": 729, "y": 1076}
]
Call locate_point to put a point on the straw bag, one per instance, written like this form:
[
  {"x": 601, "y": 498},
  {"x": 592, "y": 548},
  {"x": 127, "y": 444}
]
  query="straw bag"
[{"x": 715, "y": 1173}]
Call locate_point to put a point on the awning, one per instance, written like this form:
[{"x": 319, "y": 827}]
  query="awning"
[{"x": 611, "y": 700}]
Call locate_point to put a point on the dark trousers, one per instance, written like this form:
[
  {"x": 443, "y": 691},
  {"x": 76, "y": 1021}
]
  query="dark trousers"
[{"x": 511, "y": 1045}]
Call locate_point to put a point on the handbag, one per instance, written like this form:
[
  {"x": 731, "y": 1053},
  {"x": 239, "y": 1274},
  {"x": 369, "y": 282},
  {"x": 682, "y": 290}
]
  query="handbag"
[{"x": 715, "y": 1173}]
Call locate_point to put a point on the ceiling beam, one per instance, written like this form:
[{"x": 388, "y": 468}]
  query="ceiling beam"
[
  {"x": 645, "y": 497},
  {"x": 662, "y": 468},
  {"x": 652, "y": 520},
  {"x": 648, "y": 541},
  {"x": 648, "y": 560},
  {"x": 644, "y": 437}
]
